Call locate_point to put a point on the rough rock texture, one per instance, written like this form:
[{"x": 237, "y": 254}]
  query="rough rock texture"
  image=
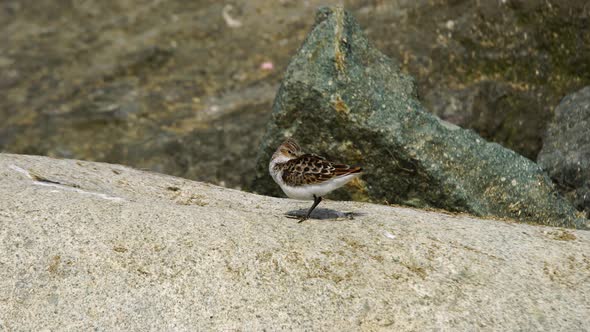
[
  {"x": 498, "y": 67},
  {"x": 566, "y": 150},
  {"x": 143, "y": 82},
  {"x": 164, "y": 86},
  {"x": 344, "y": 99},
  {"x": 90, "y": 246}
]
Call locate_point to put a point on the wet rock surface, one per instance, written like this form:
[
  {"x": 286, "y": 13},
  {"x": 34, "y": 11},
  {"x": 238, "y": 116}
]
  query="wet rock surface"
[
  {"x": 93, "y": 246},
  {"x": 566, "y": 149},
  {"x": 134, "y": 81},
  {"x": 165, "y": 86},
  {"x": 341, "y": 97}
]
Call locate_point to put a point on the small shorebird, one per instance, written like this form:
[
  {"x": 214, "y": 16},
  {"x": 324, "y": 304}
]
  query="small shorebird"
[{"x": 307, "y": 176}]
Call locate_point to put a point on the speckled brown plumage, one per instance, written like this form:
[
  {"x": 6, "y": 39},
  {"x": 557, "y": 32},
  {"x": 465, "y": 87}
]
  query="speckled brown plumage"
[
  {"x": 311, "y": 169},
  {"x": 307, "y": 176}
]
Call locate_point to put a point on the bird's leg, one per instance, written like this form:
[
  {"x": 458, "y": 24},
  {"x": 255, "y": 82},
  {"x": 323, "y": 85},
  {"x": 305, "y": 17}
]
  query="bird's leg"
[{"x": 316, "y": 201}]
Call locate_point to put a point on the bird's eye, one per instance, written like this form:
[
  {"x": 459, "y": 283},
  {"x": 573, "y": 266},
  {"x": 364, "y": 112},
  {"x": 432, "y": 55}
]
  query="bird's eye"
[{"x": 290, "y": 152}]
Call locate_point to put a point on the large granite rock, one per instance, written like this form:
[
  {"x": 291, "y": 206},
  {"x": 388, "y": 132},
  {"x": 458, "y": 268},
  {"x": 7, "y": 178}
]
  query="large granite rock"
[
  {"x": 343, "y": 98},
  {"x": 566, "y": 150},
  {"x": 91, "y": 246}
]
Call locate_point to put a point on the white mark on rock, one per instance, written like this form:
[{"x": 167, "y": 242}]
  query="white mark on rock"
[
  {"x": 230, "y": 21},
  {"x": 63, "y": 187},
  {"x": 388, "y": 235},
  {"x": 20, "y": 170},
  {"x": 80, "y": 191}
]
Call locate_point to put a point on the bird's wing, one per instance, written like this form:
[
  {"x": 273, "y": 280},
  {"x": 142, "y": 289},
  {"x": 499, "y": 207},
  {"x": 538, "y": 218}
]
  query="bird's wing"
[{"x": 312, "y": 169}]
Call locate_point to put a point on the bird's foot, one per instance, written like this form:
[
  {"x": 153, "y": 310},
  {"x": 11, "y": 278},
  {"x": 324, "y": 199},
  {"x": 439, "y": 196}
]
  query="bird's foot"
[{"x": 299, "y": 218}]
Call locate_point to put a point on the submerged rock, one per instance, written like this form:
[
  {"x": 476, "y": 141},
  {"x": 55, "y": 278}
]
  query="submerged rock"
[
  {"x": 566, "y": 149},
  {"x": 343, "y": 98}
]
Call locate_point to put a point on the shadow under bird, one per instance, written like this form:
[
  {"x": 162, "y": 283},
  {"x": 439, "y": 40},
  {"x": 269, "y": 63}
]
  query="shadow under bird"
[{"x": 305, "y": 176}]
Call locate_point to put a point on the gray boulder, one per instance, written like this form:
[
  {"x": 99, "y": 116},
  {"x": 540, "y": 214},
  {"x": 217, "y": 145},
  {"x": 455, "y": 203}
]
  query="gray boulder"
[
  {"x": 343, "y": 98},
  {"x": 566, "y": 149},
  {"x": 92, "y": 246}
]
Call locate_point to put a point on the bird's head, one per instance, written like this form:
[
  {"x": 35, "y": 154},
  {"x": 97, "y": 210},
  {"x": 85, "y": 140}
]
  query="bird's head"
[{"x": 287, "y": 151}]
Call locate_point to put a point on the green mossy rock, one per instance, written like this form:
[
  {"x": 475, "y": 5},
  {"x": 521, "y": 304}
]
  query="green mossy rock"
[{"x": 343, "y": 98}]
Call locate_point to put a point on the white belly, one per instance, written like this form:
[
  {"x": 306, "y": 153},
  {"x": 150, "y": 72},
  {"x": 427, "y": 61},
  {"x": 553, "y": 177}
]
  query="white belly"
[{"x": 319, "y": 190}]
